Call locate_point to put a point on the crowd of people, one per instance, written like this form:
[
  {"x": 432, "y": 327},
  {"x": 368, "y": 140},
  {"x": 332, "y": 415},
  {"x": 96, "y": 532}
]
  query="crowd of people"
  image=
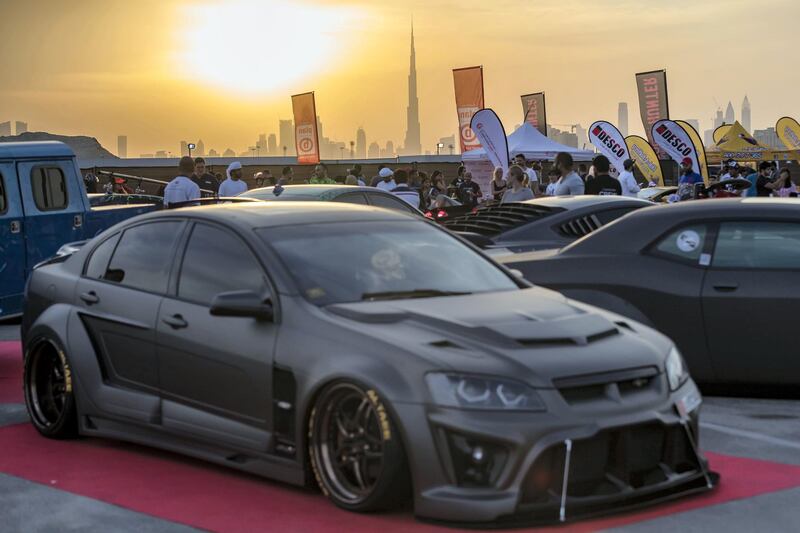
[{"x": 519, "y": 183}]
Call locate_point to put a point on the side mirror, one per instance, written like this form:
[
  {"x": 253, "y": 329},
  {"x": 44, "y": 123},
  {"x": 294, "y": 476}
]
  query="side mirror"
[
  {"x": 517, "y": 273},
  {"x": 242, "y": 304}
]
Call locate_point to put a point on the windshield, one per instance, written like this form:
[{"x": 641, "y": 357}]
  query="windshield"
[
  {"x": 357, "y": 261},
  {"x": 289, "y": 192}
]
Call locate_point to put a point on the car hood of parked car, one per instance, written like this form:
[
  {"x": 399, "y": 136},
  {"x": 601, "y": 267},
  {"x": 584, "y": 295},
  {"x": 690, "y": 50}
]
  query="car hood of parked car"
[{"x": 532, "y": 331}]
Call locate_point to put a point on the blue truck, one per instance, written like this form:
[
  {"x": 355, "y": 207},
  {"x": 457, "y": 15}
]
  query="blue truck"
[{"x": 43, "y": 205}]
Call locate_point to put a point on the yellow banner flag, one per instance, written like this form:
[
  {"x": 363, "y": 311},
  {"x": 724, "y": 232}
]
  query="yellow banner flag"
[
  {"x": 641, "y": 151},
  {"x": 698, "y": 146},
  {"x": 788, "y": 131}
]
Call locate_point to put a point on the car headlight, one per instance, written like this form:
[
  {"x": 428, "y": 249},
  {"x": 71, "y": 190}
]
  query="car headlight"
[
  {"x": 677, "y": 374},
  {"x": 482, "y": 392}
]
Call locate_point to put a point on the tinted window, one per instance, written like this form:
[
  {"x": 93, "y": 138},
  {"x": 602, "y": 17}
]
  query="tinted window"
[
  {"x": 611, "y": 215},
  {"x": 389, "y": 202},
  {"x": 352, "y": 198},
  {"x": 758, "y": 245},
  {"x": 143, "y": 256},
  {"x": 3, "y": 203},
  {"x": 98, "y": 262},
  {"x": 685, "y": 244},
  {"x": 217, "y": 261},
  {"x": 49, "y": 188}
]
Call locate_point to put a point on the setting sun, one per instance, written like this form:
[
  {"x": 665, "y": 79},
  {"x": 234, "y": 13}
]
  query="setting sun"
[{"x": 253, "y": 46}]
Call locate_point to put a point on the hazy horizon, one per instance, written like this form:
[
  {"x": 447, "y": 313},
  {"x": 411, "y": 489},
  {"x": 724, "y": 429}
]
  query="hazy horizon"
[{"x": 165, "y": 71}]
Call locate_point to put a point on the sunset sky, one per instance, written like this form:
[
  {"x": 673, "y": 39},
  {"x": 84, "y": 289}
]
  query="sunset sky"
[{"x": 168, "y": 70}]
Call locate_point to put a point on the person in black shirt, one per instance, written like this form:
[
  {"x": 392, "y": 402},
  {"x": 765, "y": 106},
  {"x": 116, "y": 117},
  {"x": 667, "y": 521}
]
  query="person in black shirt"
[
  {"x": 470, "y": 192},
  {"x": 764, "y": 185},
  {"x": 602, "y": 183},
  {"x": 203, "y": 179}
]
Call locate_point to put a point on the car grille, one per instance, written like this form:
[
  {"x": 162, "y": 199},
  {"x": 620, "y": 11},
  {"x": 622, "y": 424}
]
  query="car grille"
[{"x": 625, "y": 386}]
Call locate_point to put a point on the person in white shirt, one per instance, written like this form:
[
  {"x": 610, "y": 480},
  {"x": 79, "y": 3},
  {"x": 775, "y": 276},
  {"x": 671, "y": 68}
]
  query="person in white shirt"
[
  {"x": 234, "y": 185},
  {"x": 627, "y": 180},
  {"x": 552, "y": 177},
  {"x": 533, "y": 178},
  {"x": 387, "y": 182},
  {"x": 182, "y": 188}
]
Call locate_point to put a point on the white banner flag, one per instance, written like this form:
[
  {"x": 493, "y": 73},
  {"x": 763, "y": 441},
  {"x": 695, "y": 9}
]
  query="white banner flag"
[
  {"x": 675, "y": 142},
  {"x": 492, "y": 136},
  {"x": 608, "y": 139}
]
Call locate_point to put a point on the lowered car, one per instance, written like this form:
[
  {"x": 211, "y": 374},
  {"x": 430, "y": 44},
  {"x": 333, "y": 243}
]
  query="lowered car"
[
  {"x": 290, "y": 339},
  {"x": 542, "y": 223},
  {"x": 349, "y": 194},
  {"x": 718, "y": 277}
]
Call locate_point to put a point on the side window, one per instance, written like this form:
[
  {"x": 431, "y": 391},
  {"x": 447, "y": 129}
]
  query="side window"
[
  {"x": 352, "y": 198},
  {"x": 3, "y": 201},
  {"x": 143, "y": 257},
  {"x": 217, "y": 261},
  {"x": 98, "y": 262},
  {"x": 49, "y": 188},
  {"x": 389, "y": 202},
  {"x": 762, "y": 245},
  {"x": 610, "y": 215},
  {"x": 685, "y": 244}
]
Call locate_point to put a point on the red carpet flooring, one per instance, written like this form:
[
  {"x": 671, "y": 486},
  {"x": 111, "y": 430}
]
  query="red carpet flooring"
[
  {"x": 10, "y": 372},
  {"x": 212, "y": 498}
]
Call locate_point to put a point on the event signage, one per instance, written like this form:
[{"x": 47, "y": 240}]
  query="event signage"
[
  {"x": 607, "y": 138},
  {"x": 675, "y": 142},
  {"x": 698, "y": 146},
  {"x": 535, "y": 112},
  {"x": 468, "y": 83},
  {"x": 653, "y": 102},
  {"x": 306, "y": 135},
  {"x": 492, "y": 137},
  {"x": 645, "y": 158},
  {"x": 720, "y": 132},
  {"x": 788, "y": 131}
]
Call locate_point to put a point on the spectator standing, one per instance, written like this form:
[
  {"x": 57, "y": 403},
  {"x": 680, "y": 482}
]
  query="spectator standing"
[
  {"x": 234, "y": 185},
  {"x": 351, "y": 180},
  {"x": 320, "y": 176},
  {"x": 783, "y": 185},
  {"x": 424, "y": 191},
  {"x": 627, "y": 180},
  {"x": 403, "y": 190},
  {"x": 438, "y": 186},
  {"x": 688, "y": 175},
  {"x": 182, "y": 188},
  {"x": 470, "y": 192},
  {"x": 359, "y": 174},
  {"x": 455, "y": 187},
  {"x": 552, "y": 177},
  {"x": 287, "y": 176},
  {"x": 603, "y": 184},
  {"x": 377, "y": 177},
  {"x": 516, "y": 191},
  {"x": 386, "y": 182},
  {"x": 583, "y": 172},
  {"x": 499, "y": 185},
  {"x": 570, "y": 183},
  {"x": 204, "y": 180},
  {"x": 764, "y": 183}
]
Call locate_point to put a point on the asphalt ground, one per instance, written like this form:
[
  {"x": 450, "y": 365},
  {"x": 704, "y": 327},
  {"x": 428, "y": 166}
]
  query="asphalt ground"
[{"x": 100, "y": 485}]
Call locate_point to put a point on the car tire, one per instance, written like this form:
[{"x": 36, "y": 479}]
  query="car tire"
[
  {"x": 49, "y": 392},
  {"x": 355, "y": 449}
]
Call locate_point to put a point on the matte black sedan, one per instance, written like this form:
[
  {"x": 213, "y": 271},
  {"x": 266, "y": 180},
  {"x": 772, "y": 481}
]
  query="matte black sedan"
[
  {"x": 349, "y": 194},
  {"x": 719, "y": 277},
  {"x": 288, "y": 338},
  {"x": 543, "y": 223}
]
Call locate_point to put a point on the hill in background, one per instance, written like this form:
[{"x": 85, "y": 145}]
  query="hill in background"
[{"x": 84, "y": 147}]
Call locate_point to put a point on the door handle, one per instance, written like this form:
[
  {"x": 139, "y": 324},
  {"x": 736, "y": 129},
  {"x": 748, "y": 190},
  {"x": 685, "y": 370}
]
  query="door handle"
[
  {"x": 726, "y": 287},
  {"x": 15, "y": 226},
  {"x": 175, "y": 322},
  {"x": 90, "y": 298}
]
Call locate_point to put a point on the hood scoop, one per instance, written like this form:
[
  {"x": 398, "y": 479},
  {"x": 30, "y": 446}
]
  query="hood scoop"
[{"x": 576, "y": 330}]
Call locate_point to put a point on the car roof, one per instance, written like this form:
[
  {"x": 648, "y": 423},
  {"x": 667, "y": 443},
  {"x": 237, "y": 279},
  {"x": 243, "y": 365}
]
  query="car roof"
[
  {"x": 585, "y": 200},
  {"x": 20, "y": 150},
  {"x": 251, "y": 215},
  {"x": 315, "y": 190}
]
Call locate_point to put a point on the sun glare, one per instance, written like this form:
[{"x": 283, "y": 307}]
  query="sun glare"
[{"x": 255, "y": 46}]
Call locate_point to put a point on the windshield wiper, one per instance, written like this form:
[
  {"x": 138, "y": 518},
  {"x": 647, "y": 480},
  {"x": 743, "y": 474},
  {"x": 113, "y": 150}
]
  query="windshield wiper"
[{"x": 416, "y": 293}]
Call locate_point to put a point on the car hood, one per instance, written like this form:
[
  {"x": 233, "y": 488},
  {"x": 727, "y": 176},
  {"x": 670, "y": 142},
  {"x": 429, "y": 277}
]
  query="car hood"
[{"x": 534, "y": 332}]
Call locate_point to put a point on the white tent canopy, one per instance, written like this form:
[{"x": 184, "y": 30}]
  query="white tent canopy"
[{"x": 528, "y": 141}]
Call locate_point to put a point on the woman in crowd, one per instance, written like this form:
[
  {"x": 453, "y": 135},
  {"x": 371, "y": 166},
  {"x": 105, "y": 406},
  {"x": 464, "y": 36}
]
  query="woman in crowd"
[
  {"x": 499, "y": 184},
  {"x": 516, "y": 191},
  {"x": 783, "y": 186},
  {"x": 438, "y": 187}
]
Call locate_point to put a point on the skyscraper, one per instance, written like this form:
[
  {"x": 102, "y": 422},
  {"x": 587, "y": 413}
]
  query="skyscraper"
[
  {"x": 693, "y": 122},
  {"x": 184, "y": 148},
  {"x": 390, "y": 149},
  {"x": 272, "y": 144},
  {"x": 730, "y": 116},
  {"x": 361, "y": 143},
  {"x": 718, "y": 119},
  {"x": 200, "y": 149},
  {"x": 412, "y": 145},
  {"x": 262, "y": 143},
  {"x": 122, "y": 146},
  {"x": 622, "y": 118},
  {"x": 5, "y": 129},
  {"x": 286, "y": 136},
  {"x": 374, "y": 151},
  {"x": 746, "y": 113},
  {"x": 22, "y": 127}
]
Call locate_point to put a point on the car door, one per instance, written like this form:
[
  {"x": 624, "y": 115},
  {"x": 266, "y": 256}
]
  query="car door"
[
  {"x": 12, "y": 243},
  {"x": 52, "y": 196},
  {"x": 216, "y": 372},
  {"x": 751, "y": 295},
  {"x": 119, "y": 295}
]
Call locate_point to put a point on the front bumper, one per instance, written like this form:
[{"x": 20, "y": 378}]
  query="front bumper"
[{"x": 557, "y": 466}]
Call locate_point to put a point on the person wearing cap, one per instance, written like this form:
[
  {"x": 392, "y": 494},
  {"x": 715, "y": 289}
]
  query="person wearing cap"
[
  {"x": 387, "y": 182},
  {"x": 234, "y": 185},
  {"x": 688, "y": 175},
  {"x": 627, "y": 180},
  {"x": 182, "y": 188}
]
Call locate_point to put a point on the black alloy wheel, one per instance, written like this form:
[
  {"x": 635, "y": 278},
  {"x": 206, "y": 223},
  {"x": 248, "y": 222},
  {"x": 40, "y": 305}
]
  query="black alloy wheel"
[
  {"x": 48, "y": 391},
  {"x": 355, "y": 449}
]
